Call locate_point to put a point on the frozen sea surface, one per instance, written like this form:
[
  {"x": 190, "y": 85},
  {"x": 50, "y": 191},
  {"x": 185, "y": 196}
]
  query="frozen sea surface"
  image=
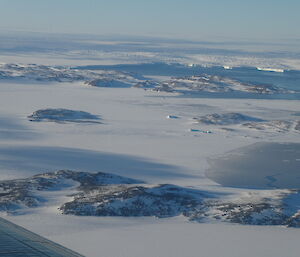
[{"x": 261, "y": 165}]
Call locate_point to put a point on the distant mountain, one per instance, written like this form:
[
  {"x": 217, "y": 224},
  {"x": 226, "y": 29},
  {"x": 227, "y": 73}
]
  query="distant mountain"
[{"x": 120, "y": 79}]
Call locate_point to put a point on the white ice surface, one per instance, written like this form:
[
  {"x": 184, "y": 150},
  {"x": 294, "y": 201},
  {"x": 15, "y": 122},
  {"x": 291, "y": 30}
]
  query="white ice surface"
[
  {"x": 135, "y": 140},
  {"x": 148, "y": 237}
]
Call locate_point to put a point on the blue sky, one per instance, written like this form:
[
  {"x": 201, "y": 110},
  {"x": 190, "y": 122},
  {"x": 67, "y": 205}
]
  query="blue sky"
[{"x": 189, "y": 19}]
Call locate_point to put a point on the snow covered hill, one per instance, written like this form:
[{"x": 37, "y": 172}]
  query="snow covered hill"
[{"x": 102, "y": 194}]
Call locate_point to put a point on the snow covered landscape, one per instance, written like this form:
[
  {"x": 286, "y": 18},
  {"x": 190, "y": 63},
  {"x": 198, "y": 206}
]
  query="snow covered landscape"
[
  {"x": 143, "y": 146},
  {"x": 103, "y": 162}
]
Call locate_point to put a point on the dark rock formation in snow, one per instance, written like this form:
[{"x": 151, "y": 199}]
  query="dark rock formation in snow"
[
  {"x": 215, "y": 84},
  {"x": 159, "y": 201},
  {"x": 225, "y": 119},
  {"x": 147, "y": 84},
  {"x": 108, "y": 83},
  {"x": 17, "y": 193},
  {"x": 63, "y": 115},
  {"x": 102, "y": 194},
  {"x": 274, "y": 125},
  {"x": 43, "y": 73},
  {"x": 297, "y": 127},
  {"x": 258, "y": 208}
]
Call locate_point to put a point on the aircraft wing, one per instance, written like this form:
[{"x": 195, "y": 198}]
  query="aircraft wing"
[{"x": 16, "y": 241}]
